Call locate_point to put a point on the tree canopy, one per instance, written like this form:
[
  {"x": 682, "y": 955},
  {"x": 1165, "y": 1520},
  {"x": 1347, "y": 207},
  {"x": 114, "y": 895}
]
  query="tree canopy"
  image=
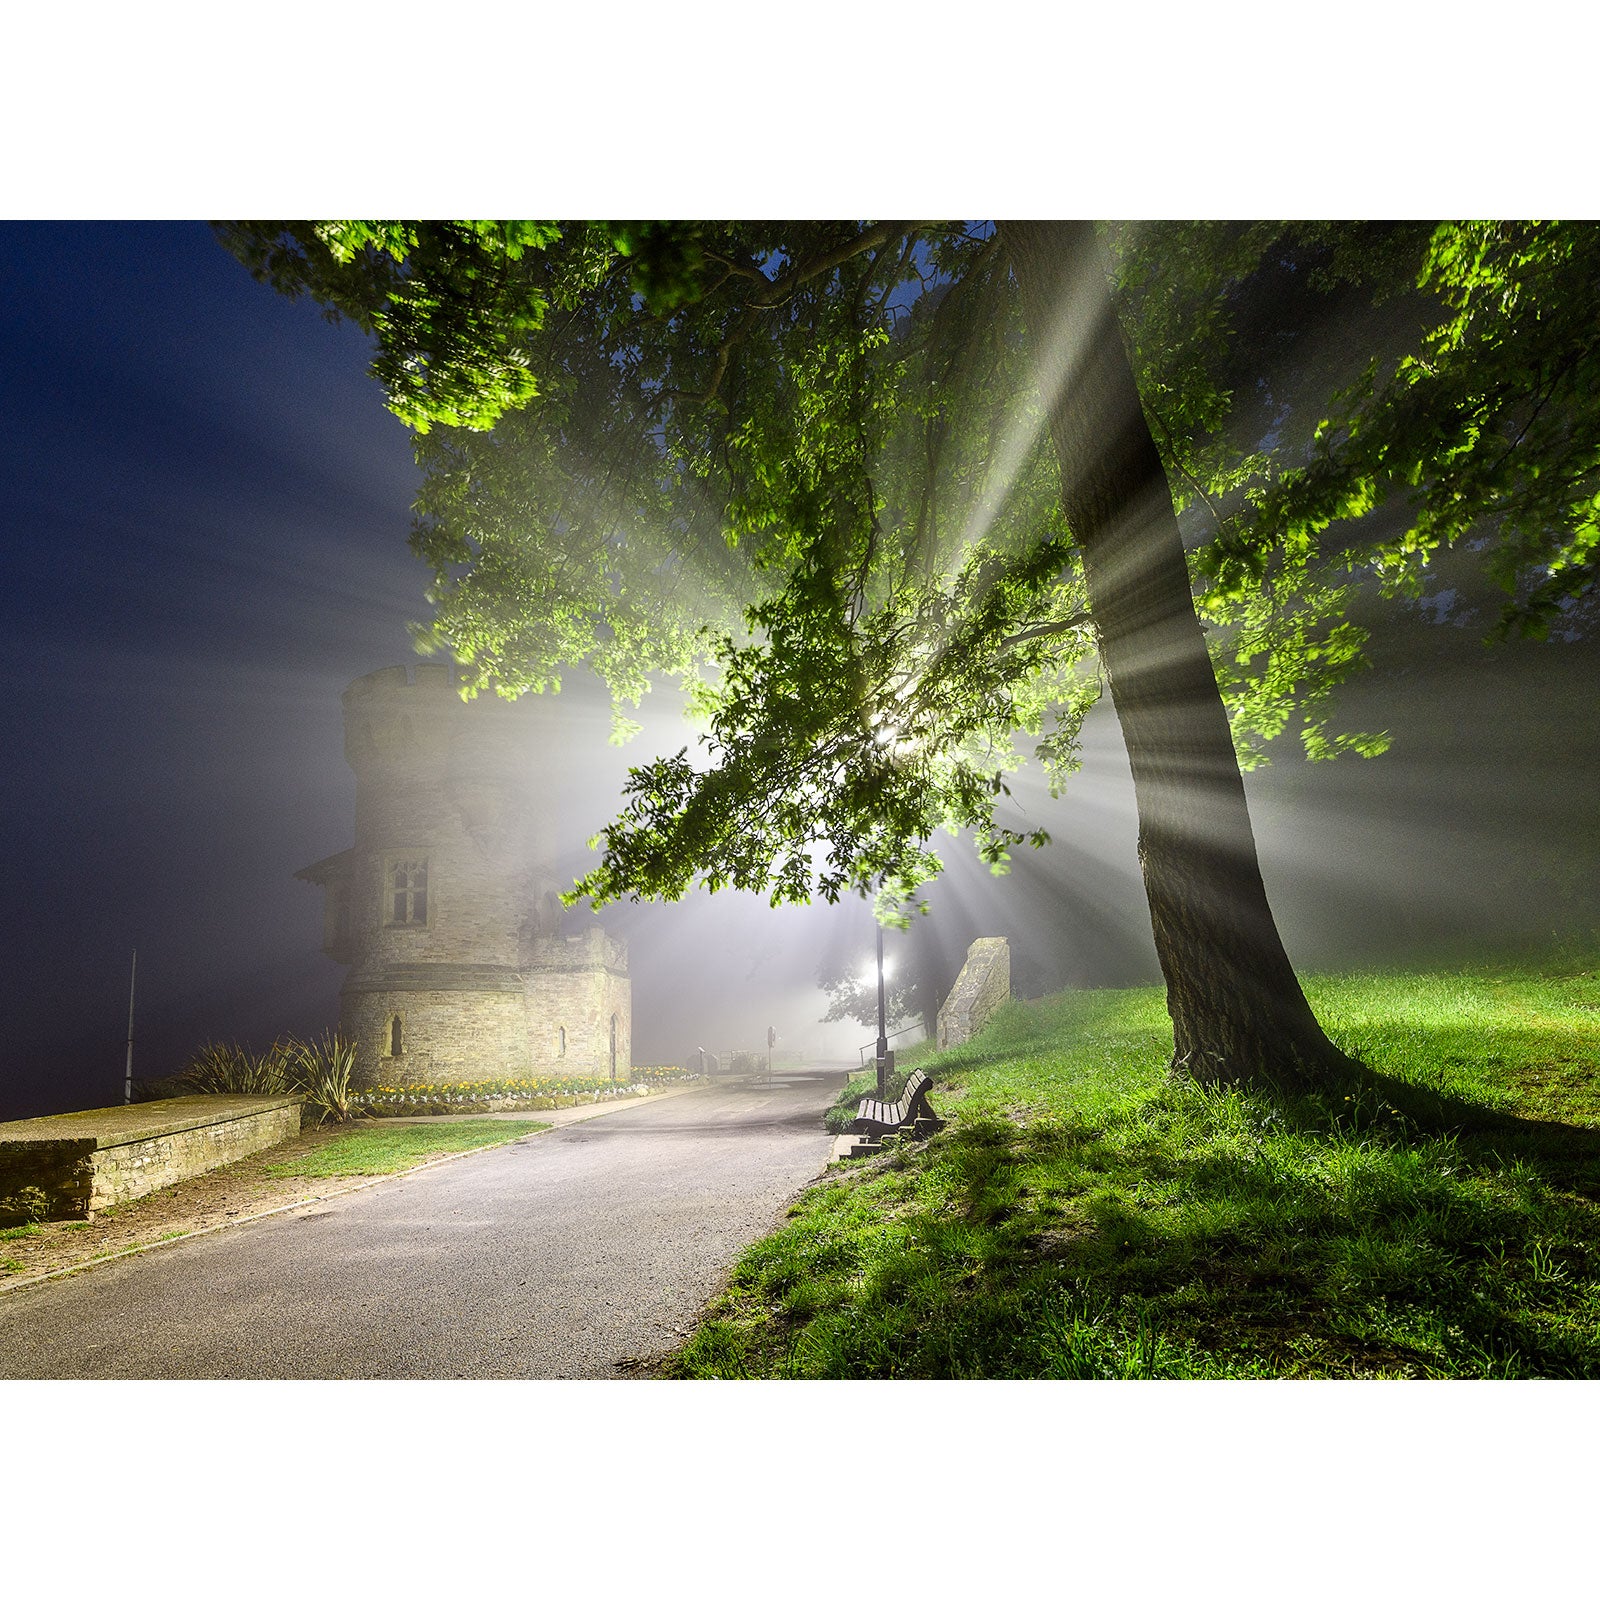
[{"x": 887, "y": 497}]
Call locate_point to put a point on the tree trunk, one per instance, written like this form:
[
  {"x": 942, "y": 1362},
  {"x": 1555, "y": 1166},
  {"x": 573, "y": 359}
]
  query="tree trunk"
[{"x": 1238, "y": 1012}]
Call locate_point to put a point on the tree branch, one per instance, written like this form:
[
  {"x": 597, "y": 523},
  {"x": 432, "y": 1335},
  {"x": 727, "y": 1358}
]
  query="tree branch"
[
  {"x": 1044, "y": 630},
  {"x": 778, "y": 290}
]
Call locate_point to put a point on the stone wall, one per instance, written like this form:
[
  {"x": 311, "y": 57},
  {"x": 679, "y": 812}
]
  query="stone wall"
[
  {"x": 569, "y": 1022},
  {"x": 984, "y": 984},
  {"x": 574, "y": 985},
  {"x": 453, "y": 1035},
  {"x": 87, "y": 1160}
]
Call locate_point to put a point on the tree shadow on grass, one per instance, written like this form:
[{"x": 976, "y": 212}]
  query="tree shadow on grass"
[
  {"x": 1400, "y": 1232},
  {"x": 1566, "y": 1152}
]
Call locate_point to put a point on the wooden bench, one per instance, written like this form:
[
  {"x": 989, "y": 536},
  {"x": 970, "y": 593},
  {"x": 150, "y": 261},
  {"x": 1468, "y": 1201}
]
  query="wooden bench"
[{"x": 910, "y": 1112}]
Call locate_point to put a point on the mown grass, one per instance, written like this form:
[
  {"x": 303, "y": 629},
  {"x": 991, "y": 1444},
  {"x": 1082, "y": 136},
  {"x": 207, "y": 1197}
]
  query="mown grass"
[
  {"x": 1083, "y": 1215},
  {"x": 372, "y": 1151}
]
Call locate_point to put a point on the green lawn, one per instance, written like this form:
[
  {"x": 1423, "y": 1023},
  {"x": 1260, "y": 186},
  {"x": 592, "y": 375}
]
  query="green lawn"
[
  {"x": 382, "y": 1149},
  {"x": 1084, "y": 1216}
]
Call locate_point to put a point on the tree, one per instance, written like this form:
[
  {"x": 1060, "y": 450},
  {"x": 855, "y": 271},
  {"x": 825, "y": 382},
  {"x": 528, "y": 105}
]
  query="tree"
[
  {"x": 914, "y": 986},
  {"x": 1482, "y": 432},
  {"x": 1237, "y": 1008},
  {"x": 807, "y": 454}
]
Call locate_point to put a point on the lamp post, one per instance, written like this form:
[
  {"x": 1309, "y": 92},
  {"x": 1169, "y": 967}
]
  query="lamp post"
[
  {"x": 127, "y": 1072},
  {"x": 883, "y": 1036}
]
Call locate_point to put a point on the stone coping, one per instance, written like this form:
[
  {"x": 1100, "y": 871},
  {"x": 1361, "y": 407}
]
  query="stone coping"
[{"x": 118, "y": 1125}]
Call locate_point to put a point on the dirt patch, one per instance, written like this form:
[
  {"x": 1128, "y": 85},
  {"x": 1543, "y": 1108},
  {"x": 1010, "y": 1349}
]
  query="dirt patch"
[{"x": 226, "y": 1195}]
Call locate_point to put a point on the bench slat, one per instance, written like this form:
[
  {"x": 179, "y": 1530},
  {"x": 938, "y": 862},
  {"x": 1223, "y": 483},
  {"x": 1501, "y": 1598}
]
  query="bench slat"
[{"x": 907, "y": 1111}]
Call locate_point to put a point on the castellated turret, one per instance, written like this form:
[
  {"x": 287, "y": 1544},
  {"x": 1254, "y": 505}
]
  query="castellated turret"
[{"x": 446, "y": 908}]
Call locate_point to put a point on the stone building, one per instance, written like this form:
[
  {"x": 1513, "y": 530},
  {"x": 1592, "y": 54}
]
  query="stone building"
[{"x": 446, "y": 907}]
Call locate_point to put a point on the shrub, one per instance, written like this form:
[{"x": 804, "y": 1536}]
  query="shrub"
[
  {"x": 30, "y": 1203},
  {"x": 320, "y": 1070},
  {"x": 230, "y": 1069}
]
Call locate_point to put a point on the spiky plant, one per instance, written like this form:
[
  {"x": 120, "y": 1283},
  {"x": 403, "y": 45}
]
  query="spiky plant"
[
  {"x": 320, "y": 1070},
  {"x": 231, "y": 1069}
]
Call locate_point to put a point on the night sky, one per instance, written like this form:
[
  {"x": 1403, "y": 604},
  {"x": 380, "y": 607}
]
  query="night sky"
[
  {"x": 208, "y": 511},
  {"x": 208, "y": 518}
]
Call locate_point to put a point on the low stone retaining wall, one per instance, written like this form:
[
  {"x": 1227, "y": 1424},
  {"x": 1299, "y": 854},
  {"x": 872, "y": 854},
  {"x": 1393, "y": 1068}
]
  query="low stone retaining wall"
[{"x": 84, "y": 1161}]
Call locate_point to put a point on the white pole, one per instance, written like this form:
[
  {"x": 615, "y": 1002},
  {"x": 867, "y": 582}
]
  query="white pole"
[{"x": 127, "y": 1080}]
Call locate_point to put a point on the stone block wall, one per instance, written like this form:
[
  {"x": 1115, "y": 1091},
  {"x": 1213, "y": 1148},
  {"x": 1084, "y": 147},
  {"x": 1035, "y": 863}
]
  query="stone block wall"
[
  {"x": 984, "y": 984},
  {"x": 579, "y": 1005},
  {"x": 87, "y": 1160},
  {"x": 62, "y": 1168},
  {"x": 453, "y": 1035}
]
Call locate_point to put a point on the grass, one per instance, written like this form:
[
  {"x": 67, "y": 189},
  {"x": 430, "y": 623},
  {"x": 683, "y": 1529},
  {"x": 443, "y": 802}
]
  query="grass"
[
  {"x": 376, "y": 1150},
  {"x": 372, "y": 1151},
  {"x": 1083, "y": 1215}
]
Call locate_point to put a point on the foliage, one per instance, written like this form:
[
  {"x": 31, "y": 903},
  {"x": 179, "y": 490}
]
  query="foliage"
[
  {"x": 1085, "y": 1215},
  {"x": 661, "y": 1074},
  {"x": 1486, "y": 431},
  {"x": 807, "y": 469},
  {"x": 414, "y": 1099},
  {"x": 806, "y": 460},
  {"x": 30, "y": 1203},
  {"x": 910, "y": 991},
  {"x": 1466, "y": 420},
  {"x": 413, "y": 287},
  {"x": 231, "y": 1069},
  {"x": 320, "y": 1070},
  {"x": 373, "y": 1150}
]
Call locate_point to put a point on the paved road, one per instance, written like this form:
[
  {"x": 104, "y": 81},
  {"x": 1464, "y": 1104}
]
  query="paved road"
[{"x": 556, "y": 1257}]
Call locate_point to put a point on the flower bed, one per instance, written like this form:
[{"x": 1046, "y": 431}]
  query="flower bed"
[
  {"x": 665, "y": 1074},
  {"x": 504, "y": 1094}
]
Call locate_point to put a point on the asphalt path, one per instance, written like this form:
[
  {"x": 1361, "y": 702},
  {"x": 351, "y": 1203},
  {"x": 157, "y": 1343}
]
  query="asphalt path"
[{"x": 572, "y": 1254}]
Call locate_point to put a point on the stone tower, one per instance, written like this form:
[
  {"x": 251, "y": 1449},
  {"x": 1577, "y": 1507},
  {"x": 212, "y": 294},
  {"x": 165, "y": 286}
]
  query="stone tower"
[{"x": 445, "y": 909}]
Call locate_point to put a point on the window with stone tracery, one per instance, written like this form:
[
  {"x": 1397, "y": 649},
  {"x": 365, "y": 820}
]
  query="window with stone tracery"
[{"x": 406, "y": 891}]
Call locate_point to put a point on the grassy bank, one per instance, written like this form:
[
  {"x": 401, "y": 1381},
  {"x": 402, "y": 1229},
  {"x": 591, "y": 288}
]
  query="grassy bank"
[{"x": 1083, "y": 1216}]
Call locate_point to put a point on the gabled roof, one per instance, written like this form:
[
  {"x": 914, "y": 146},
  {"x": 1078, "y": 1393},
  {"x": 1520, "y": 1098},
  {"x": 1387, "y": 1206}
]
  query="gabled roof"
[{"x": 325, "y": 871}]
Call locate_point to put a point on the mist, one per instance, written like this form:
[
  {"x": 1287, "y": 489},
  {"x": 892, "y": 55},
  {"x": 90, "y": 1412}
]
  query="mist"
[{"x": 210, "y": 543}]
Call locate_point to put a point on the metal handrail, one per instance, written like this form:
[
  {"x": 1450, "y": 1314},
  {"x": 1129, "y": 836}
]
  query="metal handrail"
[{"x": 872, "y": 1044}]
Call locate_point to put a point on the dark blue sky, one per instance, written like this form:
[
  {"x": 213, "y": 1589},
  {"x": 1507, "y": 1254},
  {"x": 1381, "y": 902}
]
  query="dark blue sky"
[{"x": 207, "y": 514}]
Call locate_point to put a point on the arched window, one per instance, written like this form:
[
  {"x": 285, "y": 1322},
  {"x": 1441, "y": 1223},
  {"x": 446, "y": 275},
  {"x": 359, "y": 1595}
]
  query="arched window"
[
  {"x": 563, "y": 1042},
  {"x": 394, "y": 1035}
]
